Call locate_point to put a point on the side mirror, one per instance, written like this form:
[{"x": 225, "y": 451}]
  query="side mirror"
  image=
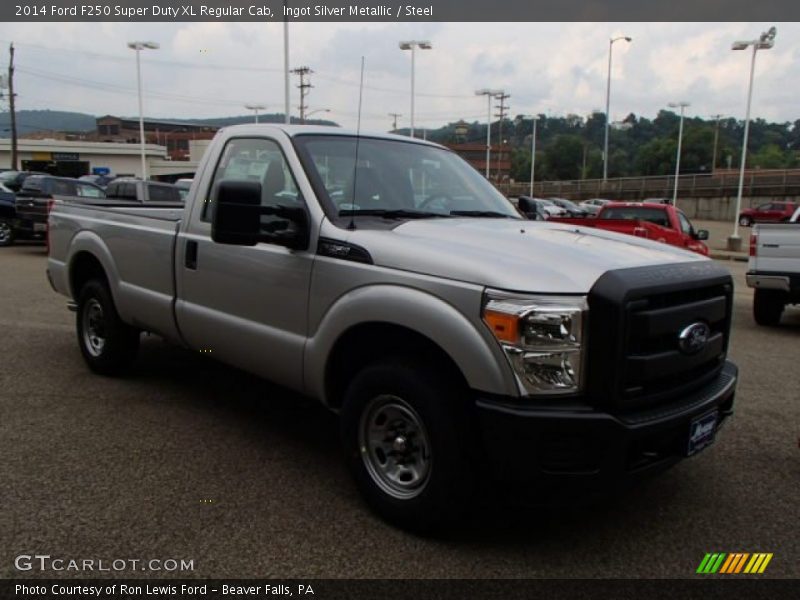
[
  {"x": 701, "y": 235},
  {"x": 237, "y": 213},
  {"x": 528, "y": 208},
  {"x": 238, "y": 218}
]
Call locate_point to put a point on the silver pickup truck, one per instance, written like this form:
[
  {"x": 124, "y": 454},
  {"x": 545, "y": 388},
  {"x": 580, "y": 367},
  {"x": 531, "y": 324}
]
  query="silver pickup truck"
[
  {"x": 382, "y": 275},
  {"x": 774, "y": 269}
]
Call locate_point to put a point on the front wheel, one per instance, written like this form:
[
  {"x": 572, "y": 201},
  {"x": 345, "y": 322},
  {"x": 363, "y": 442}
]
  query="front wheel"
[
  {"x": 7, "y": 233},
  {"x": 405, "y": 435},
  {"x": 745, "y": 221},
  {"x": 107, "y": 343},
  {"x": 768, "y": 307}
]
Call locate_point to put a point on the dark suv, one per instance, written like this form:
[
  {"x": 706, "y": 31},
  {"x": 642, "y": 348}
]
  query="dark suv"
[{"x": 38, "y": 191}]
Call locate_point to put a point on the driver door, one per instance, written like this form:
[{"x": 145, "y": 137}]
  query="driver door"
[{"x": 246, "y": 305}]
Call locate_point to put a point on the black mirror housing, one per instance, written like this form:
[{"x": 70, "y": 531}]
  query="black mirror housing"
[
  {"x": 701, "y": 235},
  {"x": 237, "y": 213}
]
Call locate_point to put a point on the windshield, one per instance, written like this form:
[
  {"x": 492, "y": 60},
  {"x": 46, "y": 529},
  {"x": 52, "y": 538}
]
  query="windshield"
[
  {"x": 398, "y": 180},
  {"x": 641, "y": 213}
]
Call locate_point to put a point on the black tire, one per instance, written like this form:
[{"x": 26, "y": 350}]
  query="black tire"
[
  {"x": 108, "y": 345},
  {"x": 7, "y": 233},
  {"x": 446, "y": 491},
  {"x": 768, "y": 307},
  {"x": 745, "y": 221}
]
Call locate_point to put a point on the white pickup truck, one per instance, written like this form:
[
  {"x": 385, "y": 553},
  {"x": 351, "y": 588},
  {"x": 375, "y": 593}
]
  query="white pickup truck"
[
  {"x": 774, "y": 269},
  {"x": 385, "y": 277}
]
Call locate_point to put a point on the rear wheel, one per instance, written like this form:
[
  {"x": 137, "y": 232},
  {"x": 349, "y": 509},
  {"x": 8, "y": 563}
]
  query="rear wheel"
[
  {"x": 107, "y": 343},
  {"x": 405, "y": 434},
  {"x": 768, "y": 306},
  {"x": 745, "y": 221},
  {"x": 7, "y": 233}
]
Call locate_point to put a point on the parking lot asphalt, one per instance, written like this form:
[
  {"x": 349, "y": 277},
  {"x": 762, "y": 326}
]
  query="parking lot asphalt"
[{"x": 188, "y": 459}]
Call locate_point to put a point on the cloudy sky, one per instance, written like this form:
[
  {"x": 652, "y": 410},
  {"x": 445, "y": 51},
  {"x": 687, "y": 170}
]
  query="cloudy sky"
[{"x": 214, "y": 69}]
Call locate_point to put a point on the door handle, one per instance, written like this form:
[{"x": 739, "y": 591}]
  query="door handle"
[{"x": 190, "y": 259}]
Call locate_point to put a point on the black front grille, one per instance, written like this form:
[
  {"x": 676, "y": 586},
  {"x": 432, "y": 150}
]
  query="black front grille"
[{"x": 635, "y": 319}]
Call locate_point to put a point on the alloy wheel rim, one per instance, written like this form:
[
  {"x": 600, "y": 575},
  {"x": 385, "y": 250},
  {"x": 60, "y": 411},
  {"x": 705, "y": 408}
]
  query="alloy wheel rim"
[{"x": 5, "y": 232}]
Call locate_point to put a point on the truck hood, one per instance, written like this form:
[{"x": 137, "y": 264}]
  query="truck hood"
[{"x": 528, "y": 256}]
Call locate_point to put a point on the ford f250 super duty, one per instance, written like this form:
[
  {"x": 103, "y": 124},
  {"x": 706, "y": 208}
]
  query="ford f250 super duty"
[{"x": 382, "y": 275}]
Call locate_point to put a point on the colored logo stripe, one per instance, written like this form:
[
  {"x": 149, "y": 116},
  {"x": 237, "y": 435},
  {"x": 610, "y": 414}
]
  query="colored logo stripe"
[{"x": 721, "y": 562}]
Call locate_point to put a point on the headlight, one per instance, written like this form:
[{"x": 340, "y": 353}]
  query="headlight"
[{"x": 543, "y": 338}]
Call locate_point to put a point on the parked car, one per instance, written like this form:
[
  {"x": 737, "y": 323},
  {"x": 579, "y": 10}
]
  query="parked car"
[
  {"x": 13, "y": 180},
  {"x": 8, "y": 214},
  {"x": 571, "y": 209},
  {"x": 143, "y": 191},
  {"x": 37, "y": 194},
  {"x": 660, "y": 222},
  {"x": 774, "y": 269},
  {"x": 184, "y": 185},
  {"x": 531, "y": 208},
  {"x": 593, "y": 205},
  {"x": 771, "y": 212},
  {"x": 547, "y": 207},
  {"x": 457, "y": 342}
]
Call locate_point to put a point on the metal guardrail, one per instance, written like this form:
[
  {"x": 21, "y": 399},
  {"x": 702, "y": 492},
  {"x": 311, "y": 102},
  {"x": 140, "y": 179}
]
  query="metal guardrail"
[{"x": 784, "y": 182}]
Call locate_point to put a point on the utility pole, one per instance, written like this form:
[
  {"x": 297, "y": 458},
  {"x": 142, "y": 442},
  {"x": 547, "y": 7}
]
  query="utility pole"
[
  {"x": 303, "y": 72},
  {"x": 394, "y": 120},
  {"x": 12, "y": 109},
  {"x": 716, "y": 141},
  {"x": 501, "y": 115}
]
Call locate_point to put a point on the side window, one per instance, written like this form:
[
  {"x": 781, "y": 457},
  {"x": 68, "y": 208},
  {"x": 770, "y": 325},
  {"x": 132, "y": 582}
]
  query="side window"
[
  {"x": 89, "y": 191},
  {"x": 765, "y": 207},
  {"x": 686, "y": 227},
  {"x": 259, "y": 160},
  {"x": 63, "y": 188},
  {"x": 128, "y": 191},
  {"x": 163, "y": 193}
]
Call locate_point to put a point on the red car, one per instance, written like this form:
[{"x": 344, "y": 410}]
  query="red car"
[
  {"x": 771, "y": 212},
  {"x": 660, "y": 222}
]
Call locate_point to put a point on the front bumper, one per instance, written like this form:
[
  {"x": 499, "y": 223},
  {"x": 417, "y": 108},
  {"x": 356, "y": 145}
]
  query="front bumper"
[{"x": 598, "y": 449}]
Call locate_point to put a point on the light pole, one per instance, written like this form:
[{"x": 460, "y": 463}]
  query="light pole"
[
  {"x": 533, "y": 118},
  {"x": 765, "y": 41},
  {"x": 286, "y": 117},
  {"x": 138, "y": 47},
  {"x": 413, "y": 45},
  {"x": 255, "y": 108},
  {"x": 682, "y": 106},
  {"x": 608, "y": 102},
  {"x": 489, "y": 95}
]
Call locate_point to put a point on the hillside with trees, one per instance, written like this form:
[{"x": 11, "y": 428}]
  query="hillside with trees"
[{"x": 571, "y": 147}]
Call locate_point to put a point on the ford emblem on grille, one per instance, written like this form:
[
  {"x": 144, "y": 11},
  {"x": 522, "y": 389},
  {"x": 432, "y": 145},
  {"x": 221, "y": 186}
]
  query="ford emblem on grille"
[{"x": 694, "y": 338}]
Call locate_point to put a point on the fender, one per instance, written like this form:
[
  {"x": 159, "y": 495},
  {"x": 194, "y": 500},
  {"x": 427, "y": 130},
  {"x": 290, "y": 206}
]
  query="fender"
[
  {"x": 88, "y": 241},
  {"x": 471, "y": 347}
]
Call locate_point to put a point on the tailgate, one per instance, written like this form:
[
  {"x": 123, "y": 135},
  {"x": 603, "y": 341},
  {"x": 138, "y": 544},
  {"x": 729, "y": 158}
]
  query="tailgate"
[
  {"x": 777, "y": 248},
  {"x": 32, "y": 208}
]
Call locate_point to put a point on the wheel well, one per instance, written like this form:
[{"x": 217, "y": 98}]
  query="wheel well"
[
  {"x": 84, "y": 267},
  {"x": 369, "y": 342}
]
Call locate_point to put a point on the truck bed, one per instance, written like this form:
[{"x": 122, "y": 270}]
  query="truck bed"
[{"x": 141, "y": 240}]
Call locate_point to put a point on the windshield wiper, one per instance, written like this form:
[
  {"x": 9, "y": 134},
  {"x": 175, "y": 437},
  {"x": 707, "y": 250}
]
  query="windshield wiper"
[
  {"x": 480, "y": 213},
  {"x": 386, "y": 213}
]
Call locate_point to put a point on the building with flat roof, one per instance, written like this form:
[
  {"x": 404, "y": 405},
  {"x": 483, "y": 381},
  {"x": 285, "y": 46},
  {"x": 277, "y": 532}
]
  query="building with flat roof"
[{"x": 76, "y": 158}]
